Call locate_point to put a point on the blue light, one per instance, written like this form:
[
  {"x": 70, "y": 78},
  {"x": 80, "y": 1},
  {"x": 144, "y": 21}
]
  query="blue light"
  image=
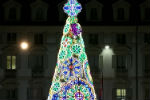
[
  {"x": 66, "y": 8},
  {"x": 72, "y": 8}
]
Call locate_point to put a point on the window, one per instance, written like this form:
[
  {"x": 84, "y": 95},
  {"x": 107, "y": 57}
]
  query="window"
[
  {"x": 39, "y": 14},
  {"x": 39, "y": 61},
  {"x": 11, "y": 37},
  {"x": 1, "y": 38},
  {"x": 147, "y": 94},
  {"x": 12, "y": 13},
  {"x": 94, "y": 15},
  {"x": 12, "y": 10},
  {"x": 36, "y": 63},
  {"x": 93, "y": 61},
  {"x": 121, "y": 38},
  {"x": 121, "y": 14},
  {"x": 147, "y": 13},
  {"x": 147, "y": 38},
  {"x": 147, "y": 64},
  {"x": 39, "y": 11},
  {"x": 121, "y": 63},
  {"x": 93, "y": 39},
  {"x": 37, "y": 68},
  {"x": 38, "y": 38},
  {"x": 35, "y": 93},
  {"x": 11, "y": 62},
  {"x": 121, "y": 94},
  {"x": 12, "y": 93}
]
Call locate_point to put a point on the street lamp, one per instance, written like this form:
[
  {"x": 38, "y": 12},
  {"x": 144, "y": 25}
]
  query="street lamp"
[
  {"x": 24, "y": 45},
  {"x": 107, "y": 47}
]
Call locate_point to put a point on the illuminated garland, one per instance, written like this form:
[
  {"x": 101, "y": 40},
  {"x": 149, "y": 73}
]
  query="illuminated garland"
[{"x": 72, "y": 79}]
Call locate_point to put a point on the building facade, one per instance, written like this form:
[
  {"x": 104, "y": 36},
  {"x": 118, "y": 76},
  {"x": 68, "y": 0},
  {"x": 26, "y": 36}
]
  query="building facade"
[{"x": 117, "y": 40}]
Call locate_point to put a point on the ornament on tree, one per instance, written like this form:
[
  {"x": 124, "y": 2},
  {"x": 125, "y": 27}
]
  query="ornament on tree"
[{"x": 72, "y": 79}]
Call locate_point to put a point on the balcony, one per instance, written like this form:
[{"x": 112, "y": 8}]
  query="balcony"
[
  {"x": 147, "y": 73},
  {"x": 121, "y": 72},
  {"x": 10, "y": 73},
  {"x": 37, "y": 72}
]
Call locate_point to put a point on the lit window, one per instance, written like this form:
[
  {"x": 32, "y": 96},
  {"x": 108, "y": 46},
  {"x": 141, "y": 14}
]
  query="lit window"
[
  {"x": 11, "y": 62},
  {"x": 120, "y": 94}
]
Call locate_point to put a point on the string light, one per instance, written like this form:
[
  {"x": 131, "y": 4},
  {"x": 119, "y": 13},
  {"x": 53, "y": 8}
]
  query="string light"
[{"x": 72, "y": 79}]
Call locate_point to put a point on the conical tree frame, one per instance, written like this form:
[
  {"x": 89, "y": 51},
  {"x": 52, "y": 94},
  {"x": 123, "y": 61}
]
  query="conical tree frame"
[{"x": 72, "y": 79}]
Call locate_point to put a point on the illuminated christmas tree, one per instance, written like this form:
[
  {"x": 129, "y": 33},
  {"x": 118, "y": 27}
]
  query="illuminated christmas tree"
[{"x": 72, "y": 79}]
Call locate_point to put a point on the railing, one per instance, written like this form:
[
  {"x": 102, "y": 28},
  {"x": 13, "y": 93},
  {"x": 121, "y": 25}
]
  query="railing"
[
  {"x": 10, "y": 73},
  {"x": 37, "y": 72},
  {"x": 121, "y": 72},
  {"x": 147, "y": 73}
]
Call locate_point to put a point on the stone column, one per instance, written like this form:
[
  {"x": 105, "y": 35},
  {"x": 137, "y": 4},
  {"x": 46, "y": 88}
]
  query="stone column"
[
  {"x": 23, "y": 75},
  {"x": 24, "y": 70},
  {"x": 22, "y": 90}
]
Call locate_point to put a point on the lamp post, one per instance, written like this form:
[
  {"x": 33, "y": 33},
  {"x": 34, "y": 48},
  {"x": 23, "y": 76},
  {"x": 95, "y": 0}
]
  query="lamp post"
[
  {"x": 24, "y": 45},
  {"x": 136, "y": 51},
  {"x": 24, "y": 71},
  {"x": 107, "y": 47}
]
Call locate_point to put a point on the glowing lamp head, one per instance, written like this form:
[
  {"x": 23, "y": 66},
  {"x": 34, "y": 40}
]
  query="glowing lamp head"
[
  {"x": 24, "y": 45},
  {"x": 107, "y": 47}
]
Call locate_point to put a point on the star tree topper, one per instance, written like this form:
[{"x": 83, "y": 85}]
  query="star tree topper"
[{"x": 72, "y": 8}]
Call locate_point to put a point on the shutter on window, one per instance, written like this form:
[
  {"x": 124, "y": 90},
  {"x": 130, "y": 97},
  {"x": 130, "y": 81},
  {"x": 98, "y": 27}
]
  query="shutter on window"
[
  {"x": 45, "y": 61},
  {"x": 38, "y": 60},
  {"x": 31, "y": 61},
  {"x": 114, "y": 39},
  {"x": 18, "y": 61},
  {"x": 1, "y": 62},
  {"x": 114, "y": 64},
  {"x": 4, "y": 61},
  {"x": 113, "y": 93},
  {"x": 29, "y": 93},
  {"x": 91, "y": 59},
  {"x": 96, "y": 63},
  {"x": 3, "y": 94},
  {"x": 129, "y": 93},
  {"x": 129, "y": 61},
  {"x": 143, "y": 62},
  {"x": 35, "y": 61},
  {"x": 101, "y": 62}
]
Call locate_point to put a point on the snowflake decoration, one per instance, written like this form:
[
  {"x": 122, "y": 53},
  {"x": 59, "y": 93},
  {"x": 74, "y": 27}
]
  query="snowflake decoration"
[{"x": 72, "y": 8}]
